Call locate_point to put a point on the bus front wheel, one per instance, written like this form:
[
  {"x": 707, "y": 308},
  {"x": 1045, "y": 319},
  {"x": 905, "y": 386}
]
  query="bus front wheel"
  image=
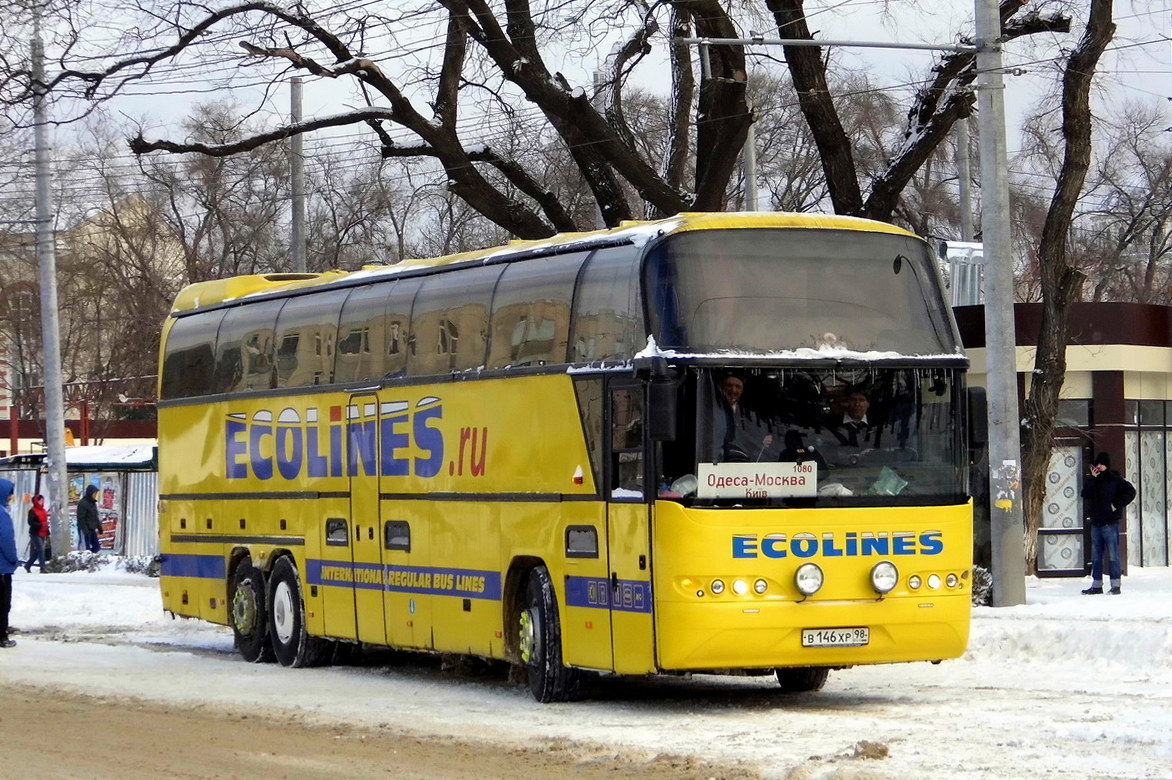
[
  {"x": 540, "y": 642},
  {"x": 291, "y": 643},
  {"x": 806, "y": 679},
  {"x": 250, "y": 617}
]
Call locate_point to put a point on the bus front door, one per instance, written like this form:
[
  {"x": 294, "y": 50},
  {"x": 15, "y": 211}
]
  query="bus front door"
[
  {"x": 362, "y": 446},
  {"x": 629, "y": 539}
]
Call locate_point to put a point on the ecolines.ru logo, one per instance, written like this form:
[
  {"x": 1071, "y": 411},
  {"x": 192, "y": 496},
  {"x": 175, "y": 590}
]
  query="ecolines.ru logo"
[
  {"x": 336, "y": 447},
  {"x": 807, "y": 545}
]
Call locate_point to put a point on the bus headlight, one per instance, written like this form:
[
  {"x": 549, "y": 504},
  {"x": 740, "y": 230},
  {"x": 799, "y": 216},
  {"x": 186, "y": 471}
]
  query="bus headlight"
[
  {"x": 884, "y": 576},
  {"x": 933, "y": 581},
  {"x": 740, "y": 587},
  {"x": 760, "y": 586},
  {"x": 914, "y": 582},
  {"x": 717, "y": 587},
  {"x": 951, "y": 580},
  {"x": 808, "y": 578}
]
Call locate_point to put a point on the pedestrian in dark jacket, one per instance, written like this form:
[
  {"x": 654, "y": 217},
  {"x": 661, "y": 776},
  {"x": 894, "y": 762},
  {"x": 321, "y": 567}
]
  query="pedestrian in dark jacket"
[
  {"x": 38, "y": 532},
  {"x": 1106, "y": 493},
  {"x": 89, "y": 523},
  {"x": 8, "y": 561}
]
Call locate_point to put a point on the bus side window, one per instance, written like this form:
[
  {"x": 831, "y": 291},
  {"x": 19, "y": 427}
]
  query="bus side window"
[
  {"x": 361, "y": 332},
  {"x": 306, "y": 330},
  {"x": 626, "y": 442},
  {"x": 189, "y": 360},
  {"x": 531, "y": 311},
  {"x": 589, "y": 393},
  {"x": 244, "y": 348},
  {"x": 607, "y": 321},
  {"x": 449, "y": 322}
]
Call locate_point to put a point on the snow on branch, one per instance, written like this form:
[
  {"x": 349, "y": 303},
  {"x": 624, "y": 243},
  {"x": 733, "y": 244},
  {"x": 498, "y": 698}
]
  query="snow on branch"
[{"x": 140, "y": 145}]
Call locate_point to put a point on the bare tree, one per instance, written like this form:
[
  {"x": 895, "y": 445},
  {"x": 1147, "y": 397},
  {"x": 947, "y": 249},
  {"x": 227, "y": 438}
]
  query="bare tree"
[
  {"x": 1061, "y": 282},
  {"x": 227, "y": 211},
  {"x": 1131, "y": 225},
  {"x": 494, "y": 61}
]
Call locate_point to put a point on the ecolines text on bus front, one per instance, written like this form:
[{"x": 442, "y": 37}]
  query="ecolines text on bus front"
[
  {"x": 346, "y": 442},
  {"x": 851, "y": 544}
]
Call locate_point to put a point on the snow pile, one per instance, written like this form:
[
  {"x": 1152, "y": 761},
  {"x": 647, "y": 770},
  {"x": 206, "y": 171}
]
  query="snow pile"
[{"x": 1059, "y": 625}]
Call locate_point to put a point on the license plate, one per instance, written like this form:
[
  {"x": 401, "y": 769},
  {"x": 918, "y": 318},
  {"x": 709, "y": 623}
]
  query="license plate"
[{"x": 835, "y": 637}]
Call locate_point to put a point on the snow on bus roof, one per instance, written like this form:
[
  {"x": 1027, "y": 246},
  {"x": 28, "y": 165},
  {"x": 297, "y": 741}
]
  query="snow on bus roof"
[{"x": 823, "y": 352}]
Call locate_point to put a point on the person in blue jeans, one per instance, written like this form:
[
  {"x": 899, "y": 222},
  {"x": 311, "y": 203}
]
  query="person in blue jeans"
[
  {"x": 38, "y": 533},
  {"x": 1106, "y": 493},
  {"x": 89, "y": 522},
  {"x": 8, "y": 561}
]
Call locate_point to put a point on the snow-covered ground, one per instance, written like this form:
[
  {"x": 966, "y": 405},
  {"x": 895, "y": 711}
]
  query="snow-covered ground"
[{"x": 1065, "y": 686}]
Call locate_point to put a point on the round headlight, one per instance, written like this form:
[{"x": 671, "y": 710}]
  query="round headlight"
[
  {"x": 951, "y": 580},
  {"x": 933, "y": 581},
  {"x": 914, "y": 582},
  {"x": 740, "y": 587},
  {"x": 717, "y": 587},
  {"x": 808, "y": 578},
  {"x": 760, "y": 586},
  {"x": 884, "y": 576}
]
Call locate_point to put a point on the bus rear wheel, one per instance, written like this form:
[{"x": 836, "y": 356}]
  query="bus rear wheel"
[
  {"x": 250, "y": 617},
  {"x": 291, "y": 643},
  {"x": 805, "y": 679},
  {"x": 540, "y": 642}
]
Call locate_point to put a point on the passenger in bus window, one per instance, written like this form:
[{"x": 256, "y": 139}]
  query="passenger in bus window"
[
  {"x": 744, "y": 438},
  {"x": 855, "y": 427}
]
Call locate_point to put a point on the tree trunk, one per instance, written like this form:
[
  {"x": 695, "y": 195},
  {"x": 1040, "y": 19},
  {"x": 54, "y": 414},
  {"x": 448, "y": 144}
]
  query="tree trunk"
[{"x": 1061, "y": 284}]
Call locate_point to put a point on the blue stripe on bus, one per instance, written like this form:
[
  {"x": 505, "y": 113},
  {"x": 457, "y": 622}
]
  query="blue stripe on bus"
[
  {"x": 467, "y": 583},
  {"x": 597, "y": 592},
  {"x": 202, "y": 566}
]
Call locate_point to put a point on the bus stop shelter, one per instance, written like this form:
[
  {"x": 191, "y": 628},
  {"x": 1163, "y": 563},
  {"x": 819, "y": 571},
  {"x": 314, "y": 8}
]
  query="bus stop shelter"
[{"x": 128, "y": 492}]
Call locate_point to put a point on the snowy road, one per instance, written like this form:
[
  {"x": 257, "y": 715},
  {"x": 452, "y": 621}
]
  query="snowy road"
[{"x": 1067, "y": 686}]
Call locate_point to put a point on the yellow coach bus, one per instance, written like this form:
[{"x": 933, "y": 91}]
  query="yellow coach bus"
[{"x": 713, "y": 443}]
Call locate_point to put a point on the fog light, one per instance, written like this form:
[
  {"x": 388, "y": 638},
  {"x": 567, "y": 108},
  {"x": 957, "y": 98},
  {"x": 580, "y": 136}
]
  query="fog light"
[
  {"x": 933, "y": 581},
  {"x": 808, "y": 579},
  {"x": 760, "y": 586},
  {"x": 717, "y": 587},
  {"x": 914, "y": 582},
  {"x": 884, "y": 576},
  {"x": 740, "y": 587},
  {"x": 952, "y": 580}
]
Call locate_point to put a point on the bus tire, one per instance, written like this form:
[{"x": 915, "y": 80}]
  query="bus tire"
[
  {"x": 540, "y": 641},
  {"x": 292, "y": 645},
  {"x": 249, "y": 614},
  {"x": 802, "y": 679}
]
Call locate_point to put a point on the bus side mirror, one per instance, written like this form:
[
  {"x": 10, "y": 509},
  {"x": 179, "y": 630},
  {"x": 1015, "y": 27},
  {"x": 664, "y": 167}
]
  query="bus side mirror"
[
  {"x": 661, "y": 397},
  {"x": 661, "y": 409},
  {"x": 978, "y": 417}
]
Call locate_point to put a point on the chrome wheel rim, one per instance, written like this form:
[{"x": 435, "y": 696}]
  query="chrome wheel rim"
[
  {"x": 244, "y": 610},
  {"x": 528, "y": 635},
  {"x": 283, "y": 612}
]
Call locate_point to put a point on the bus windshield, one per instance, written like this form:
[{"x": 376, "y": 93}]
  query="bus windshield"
[
  {"x": 773, "y": 290},
  {"x": 802, "y": 437}
]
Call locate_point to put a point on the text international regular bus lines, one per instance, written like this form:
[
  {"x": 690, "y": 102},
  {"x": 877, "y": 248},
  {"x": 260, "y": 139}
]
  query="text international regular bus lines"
[{"x": 713, "y": 443}]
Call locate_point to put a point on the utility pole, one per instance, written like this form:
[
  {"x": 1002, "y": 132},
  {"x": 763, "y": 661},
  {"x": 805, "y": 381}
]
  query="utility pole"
[
  {"x": 1005, "y": 504},
  {"x": 965, "y": 177},
  {"x": 61, "y": 532},
  {"x": 750, "y": 163},
  {"x": 297, "y": 178}
]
